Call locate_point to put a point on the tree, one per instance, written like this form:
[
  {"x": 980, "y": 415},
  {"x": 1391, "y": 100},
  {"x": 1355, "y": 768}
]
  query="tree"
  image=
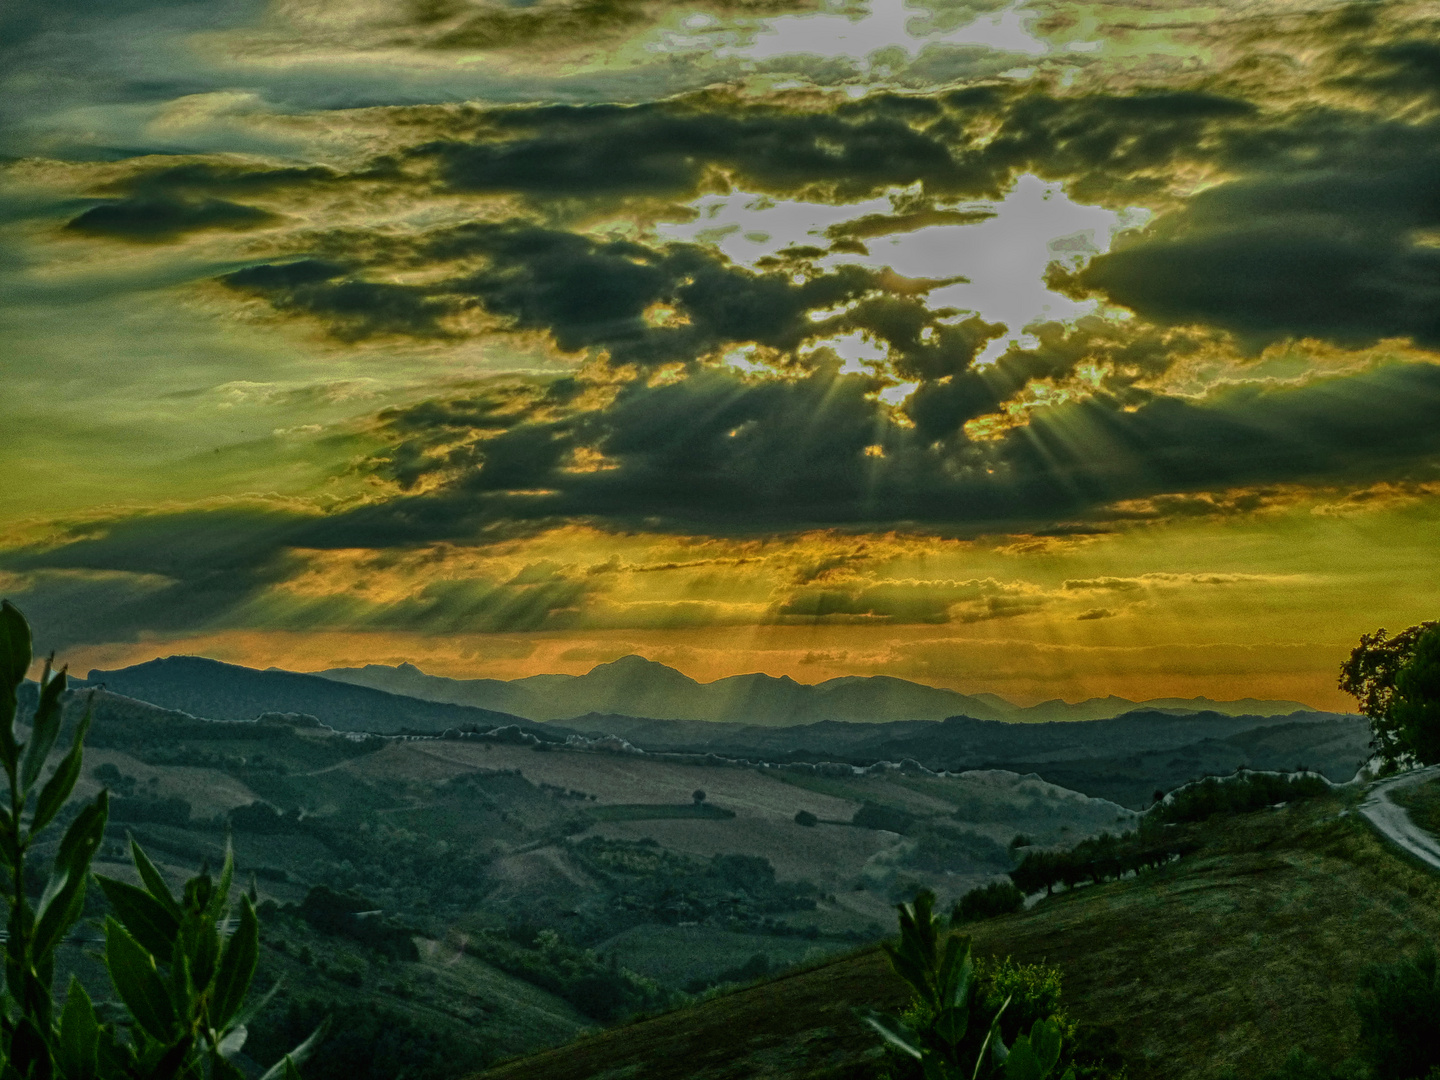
[{"x": 1396, "y": 680}]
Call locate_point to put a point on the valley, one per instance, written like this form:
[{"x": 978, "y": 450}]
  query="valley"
[{"x": 442, "y": 876}]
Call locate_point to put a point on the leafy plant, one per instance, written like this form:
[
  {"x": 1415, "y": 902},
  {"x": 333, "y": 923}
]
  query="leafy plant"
[
  {"x": 182, "y": 980},
  {"x": 940, "y": 1030}
]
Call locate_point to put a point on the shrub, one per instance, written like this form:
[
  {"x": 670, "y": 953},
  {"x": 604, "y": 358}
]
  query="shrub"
[
  {"x": 874, "y": 816},
  {"x": 806, "y": 818},
  {"x": 952, "y": 1028},
  {"x": 938, "y": 849},
  {"x": 1399, "y": 1009},
  {"x": 988, "y": 901}
]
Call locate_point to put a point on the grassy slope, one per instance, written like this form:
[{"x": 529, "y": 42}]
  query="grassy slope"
[{"x": 1230, "y": 957}]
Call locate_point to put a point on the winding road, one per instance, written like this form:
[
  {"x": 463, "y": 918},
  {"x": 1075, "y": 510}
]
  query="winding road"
[{"x": 1392, "y": 822}]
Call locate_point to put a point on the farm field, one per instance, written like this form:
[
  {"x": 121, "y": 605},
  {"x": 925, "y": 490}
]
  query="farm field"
[{"x": 1231, "y": 957}]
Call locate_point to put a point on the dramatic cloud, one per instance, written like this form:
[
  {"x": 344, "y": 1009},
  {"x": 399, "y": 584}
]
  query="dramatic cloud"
[{"x": 461, "y": 317}]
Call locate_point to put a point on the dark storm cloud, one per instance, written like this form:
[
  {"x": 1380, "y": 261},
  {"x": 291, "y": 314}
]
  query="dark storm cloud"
[
  {"x": 192, "y": 571},
  {"x": 165, "y": 202},
  {"x": 586, "y": 293},
  {"x": 847, "y": 151},
  {"x": 1108, "y": 145},
  {"x": 161, "y": 219},
  {"x": 722, "y": 452},
  {"x": 351, "y": 308},
  {"x": 1340, "y": 246}
]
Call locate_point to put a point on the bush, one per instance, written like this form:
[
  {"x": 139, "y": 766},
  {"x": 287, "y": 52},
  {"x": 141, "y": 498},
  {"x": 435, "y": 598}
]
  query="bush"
[
  {"x": 969, "y": 1020},
  {"x": 874, "y": 816},
  {"x": 806, "y": 818},
  {"x": 988, "y": 901},
  {"x": 938, "y": 849},
  {"x": 1399, "y": 1009}
]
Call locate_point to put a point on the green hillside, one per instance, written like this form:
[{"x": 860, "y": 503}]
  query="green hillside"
[{"x": 1230, "y": 957}]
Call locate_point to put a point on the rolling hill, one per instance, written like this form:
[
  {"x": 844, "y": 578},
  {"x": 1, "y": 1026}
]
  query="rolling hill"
[
  {"x": 217, "y": 691},
  {"x": 1123, "y": 758},
  {"x": 1232, "y": 956}
]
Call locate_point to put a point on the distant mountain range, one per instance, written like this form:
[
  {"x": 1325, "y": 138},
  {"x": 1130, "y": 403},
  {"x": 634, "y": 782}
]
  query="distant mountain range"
[
  {"x": 1122, "y": 758},
  {"x": 634, "y": 686},
  {"x": 216, "y": 691}
]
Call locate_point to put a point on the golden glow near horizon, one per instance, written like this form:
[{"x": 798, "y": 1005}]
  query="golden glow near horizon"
[{"x": 1049, "y": 349}]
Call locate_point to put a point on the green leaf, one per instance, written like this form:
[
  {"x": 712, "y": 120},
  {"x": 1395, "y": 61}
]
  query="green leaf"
[
  {"x": 291, "y": 1073},
  {"x": 233, "y": 1042},
  {"x": 951, "y": 1024},
  {"x": 14, "y": 663},
  {"x": 1045, "y": 1041},
  {"x": 58, "y": 788},
  {"x": 60, "y": 908},
  {"x": 220, "y": 898},
  {"x": 44, "y": 728},
  {"x": 1021, "y": 1063},
  {"x": 202, "y": 945},
  {"x": 145, "y": 917},
  {"x": 15, "y": 655},
  {"x": 82, "y": 839},
  {"x": 182, "y": 989},
  {"x": 894, "y": 1033},
  {"x": 137, "y": 982},
  {"x": 79, "y": 1035},
  {"x": 115, "y": 1059},
  {"x": 64, "y": 896},
  {"x": 285, "y": 1067},
  {"x": 153, "y": 880},
  {"x": 237, "y": 968}
]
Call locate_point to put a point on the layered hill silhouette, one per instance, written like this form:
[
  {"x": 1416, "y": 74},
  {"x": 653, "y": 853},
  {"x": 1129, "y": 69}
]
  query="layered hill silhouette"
[
  {"x": 1122, "y": 758},
  {"x": 634, "y": 686},
  {"x": 219, "y": 691}
]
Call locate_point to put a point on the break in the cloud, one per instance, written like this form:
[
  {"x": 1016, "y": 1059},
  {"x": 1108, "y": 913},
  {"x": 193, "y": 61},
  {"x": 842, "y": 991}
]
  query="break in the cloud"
[{"x": 476, "y": 318}]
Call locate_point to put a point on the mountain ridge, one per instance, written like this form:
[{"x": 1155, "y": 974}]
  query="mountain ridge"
[
  {"x": 218, "y": 691},
  {"x": 635, "y": 686}
]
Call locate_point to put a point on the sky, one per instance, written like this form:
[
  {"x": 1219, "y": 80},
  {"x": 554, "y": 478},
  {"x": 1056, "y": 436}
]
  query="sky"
[{"x": 1047, "y": 349}]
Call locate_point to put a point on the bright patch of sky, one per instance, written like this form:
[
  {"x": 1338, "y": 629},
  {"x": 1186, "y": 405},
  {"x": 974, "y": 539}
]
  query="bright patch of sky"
[
  {"x": 842, "y": 35},
  {"x": 1004, "y": 257}
]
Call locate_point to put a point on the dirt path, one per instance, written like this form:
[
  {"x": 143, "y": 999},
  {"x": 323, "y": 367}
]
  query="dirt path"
[{"x": 1392, "y": 822}]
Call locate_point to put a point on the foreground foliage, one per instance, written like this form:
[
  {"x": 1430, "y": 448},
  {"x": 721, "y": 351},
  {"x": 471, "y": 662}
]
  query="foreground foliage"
[
  {"x": 181, "y": 979},
  {"x": 953, "y": 1026}
]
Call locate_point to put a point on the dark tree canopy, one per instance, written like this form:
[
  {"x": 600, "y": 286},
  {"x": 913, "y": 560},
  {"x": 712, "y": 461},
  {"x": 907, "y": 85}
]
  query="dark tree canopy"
[{"x": 1396, "y": 680}]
